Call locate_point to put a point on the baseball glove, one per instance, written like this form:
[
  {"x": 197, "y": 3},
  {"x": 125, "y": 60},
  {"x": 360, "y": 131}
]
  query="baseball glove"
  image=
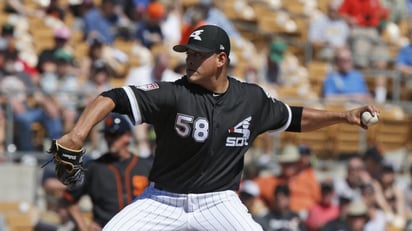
[{"x": 69, "y": 164}]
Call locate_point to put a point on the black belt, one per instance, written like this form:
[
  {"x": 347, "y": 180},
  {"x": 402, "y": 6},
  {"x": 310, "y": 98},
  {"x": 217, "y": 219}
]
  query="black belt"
[{"x": 156, "y": 186}]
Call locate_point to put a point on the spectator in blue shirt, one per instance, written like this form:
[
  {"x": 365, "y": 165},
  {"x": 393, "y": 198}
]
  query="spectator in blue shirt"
[
  {"x": 404, "y": 65},
  {"x": 404, "y": 60},
  {"x": 149, "y": 31},
  {"x": 345, "y": 83},
  {"x": 102, "y": 22}
]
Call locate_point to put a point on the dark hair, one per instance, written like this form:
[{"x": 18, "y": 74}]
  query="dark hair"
[
  {"x": 326, "y": 187},
  {"x": 282, "y": 189},
  {"x": 388, "y": 168},
  {"x": 304, "y": 149},
  {"x": 100, "y": 66},
  {"x": 373, "y": 153},
  {"x": 7, "y": 29}
]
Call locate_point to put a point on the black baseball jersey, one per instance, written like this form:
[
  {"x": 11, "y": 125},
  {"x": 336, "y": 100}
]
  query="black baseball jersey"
[
  {"x": 111, "y": 184},
  {"x": 201, "y": 138}
]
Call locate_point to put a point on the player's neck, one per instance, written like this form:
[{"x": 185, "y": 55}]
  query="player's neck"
[{"x": 220, "y": 85}]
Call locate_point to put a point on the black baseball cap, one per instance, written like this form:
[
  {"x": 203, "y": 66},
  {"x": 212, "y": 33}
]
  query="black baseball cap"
[
  {"x": 116, "y": 124},
  {"x": 207, "y": 38}
]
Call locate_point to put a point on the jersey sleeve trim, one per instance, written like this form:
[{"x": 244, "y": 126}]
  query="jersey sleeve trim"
[
  {"x": 133, "y": 104},
  {"x": 286, "y": 125}
]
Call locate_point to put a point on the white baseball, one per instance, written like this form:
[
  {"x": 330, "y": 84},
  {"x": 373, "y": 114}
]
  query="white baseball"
[{"x": 369, "y": 119}]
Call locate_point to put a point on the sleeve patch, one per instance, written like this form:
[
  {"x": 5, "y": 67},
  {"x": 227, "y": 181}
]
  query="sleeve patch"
[{"x": 148, "y": 87}]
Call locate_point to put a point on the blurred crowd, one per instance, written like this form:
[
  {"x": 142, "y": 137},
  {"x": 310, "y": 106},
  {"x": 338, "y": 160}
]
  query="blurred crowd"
[
  {"x": 57, "y": 55},
  {"x": 295, "y": 195}
]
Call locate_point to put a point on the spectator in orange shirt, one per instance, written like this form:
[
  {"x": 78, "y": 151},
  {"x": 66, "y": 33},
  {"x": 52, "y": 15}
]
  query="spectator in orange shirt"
[
  {"x": 305, "y": 191},
  {"x": 306, "y": 160}
]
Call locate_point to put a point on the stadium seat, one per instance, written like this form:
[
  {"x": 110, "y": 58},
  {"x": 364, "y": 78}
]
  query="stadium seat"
[
  {"x": 394, "y": 128},
  {"x": 318, "y": 141},
  {"x": 317, "y": 71}
]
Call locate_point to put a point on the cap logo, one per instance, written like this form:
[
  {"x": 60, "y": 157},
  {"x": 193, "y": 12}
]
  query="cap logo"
[
  {"x": 196, "y": 35},
  {"x": 222, "y": 47}
]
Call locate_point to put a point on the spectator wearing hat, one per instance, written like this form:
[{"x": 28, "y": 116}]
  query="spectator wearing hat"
[
  {"x": 113, "y": 180},
  {"x": 357, "y": 216},
  {"x": 149, "y": 30},
  {"x": 355, "y": 219},
  {"x": 281, "y": 217},
  {"x": 305, "y": 192},
  {"x": 324, "y": 211}
]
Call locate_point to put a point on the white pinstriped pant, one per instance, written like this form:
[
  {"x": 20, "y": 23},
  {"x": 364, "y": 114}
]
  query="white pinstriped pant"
[{"x": 160, "y": 210}]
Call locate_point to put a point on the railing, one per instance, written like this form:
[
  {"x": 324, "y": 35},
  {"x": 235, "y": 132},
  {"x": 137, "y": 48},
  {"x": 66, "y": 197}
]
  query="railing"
[{"x": 12, "y": 153}]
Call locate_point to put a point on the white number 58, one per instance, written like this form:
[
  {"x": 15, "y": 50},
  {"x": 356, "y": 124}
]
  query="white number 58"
[{"x": 200, "y": 129}]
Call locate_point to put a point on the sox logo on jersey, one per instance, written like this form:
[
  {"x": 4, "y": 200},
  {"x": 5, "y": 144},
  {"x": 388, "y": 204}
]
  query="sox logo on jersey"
[{"x": 240, "y": 128}]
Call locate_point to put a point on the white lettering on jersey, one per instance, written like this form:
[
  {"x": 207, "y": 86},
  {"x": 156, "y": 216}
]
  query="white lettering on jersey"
[
  {"x": 241, "y": 128},
  {"x": 148, "y": 87},
  {"x": 196, "y": 35}
]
